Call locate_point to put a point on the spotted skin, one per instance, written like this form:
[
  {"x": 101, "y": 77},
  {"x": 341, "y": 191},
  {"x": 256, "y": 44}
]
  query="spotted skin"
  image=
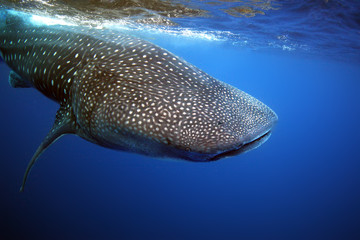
[{"x": 125, "y": 93}]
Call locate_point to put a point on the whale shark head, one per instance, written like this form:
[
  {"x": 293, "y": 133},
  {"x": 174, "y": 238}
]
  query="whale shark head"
[
  {"x": 207, "y": 122},
  {"x": 158, "y": 104}
]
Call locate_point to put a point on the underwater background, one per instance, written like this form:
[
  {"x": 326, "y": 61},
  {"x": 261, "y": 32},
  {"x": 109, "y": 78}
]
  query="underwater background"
[{"x": 301, "y": 58}]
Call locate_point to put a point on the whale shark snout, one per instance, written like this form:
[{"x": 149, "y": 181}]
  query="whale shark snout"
[
  {"x": 234, "y": 122},
  {"x": 253, "y": 131},
  {"x": 255, "y": 136}
]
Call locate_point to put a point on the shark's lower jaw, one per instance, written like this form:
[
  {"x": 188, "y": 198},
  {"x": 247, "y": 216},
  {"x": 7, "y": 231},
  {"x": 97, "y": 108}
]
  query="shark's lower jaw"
[{"x": 243, "y": 147}]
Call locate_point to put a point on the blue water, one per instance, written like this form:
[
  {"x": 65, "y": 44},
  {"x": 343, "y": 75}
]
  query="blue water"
[{"x": 303, "y": 183}]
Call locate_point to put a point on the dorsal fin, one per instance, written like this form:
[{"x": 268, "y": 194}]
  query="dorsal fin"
[
  {"x": 64, "y": 124},
  {"x": 16, "y": 81}
]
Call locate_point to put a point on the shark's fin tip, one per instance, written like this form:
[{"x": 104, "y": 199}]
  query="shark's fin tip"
[
  {"x": 16, "y": 81},
  {"x": 64, "y": 123}
]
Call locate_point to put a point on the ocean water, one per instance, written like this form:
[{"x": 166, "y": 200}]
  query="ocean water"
[{"x": 301, "y": 59}]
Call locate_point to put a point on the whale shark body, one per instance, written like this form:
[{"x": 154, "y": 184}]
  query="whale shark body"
[{"x": 125, "y": 93}]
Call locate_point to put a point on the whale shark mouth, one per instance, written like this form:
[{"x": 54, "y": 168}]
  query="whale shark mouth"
[{"x": 243, "y": 147}]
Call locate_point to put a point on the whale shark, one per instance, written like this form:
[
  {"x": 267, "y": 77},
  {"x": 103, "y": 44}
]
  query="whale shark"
[{"x": 122, "y": 92}]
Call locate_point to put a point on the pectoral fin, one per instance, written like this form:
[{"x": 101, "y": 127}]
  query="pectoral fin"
[
  {"x": 17, "y": 82},
  {"x": 64, "y": 124}
]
